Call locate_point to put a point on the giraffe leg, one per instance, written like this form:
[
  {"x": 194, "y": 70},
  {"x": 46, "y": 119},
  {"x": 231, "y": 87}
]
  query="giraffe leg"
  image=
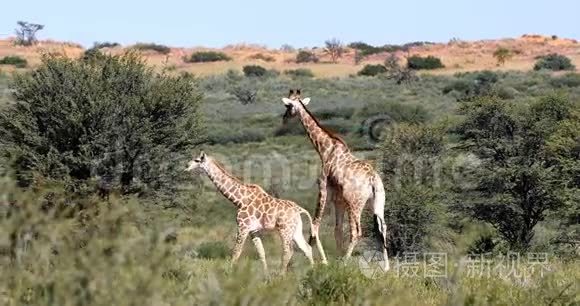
[
  {"x": 322, "y": 196},
  {"x": 338, "y": 227},
  {"x": 260, "y": 249},
  {"x": 355, "y": 229},
  {"x": 381, "y": 229},
  {"x": 240, "y": 239},
  {"x": 286, "y": 236},
  {"x": 301, "y": 242}
]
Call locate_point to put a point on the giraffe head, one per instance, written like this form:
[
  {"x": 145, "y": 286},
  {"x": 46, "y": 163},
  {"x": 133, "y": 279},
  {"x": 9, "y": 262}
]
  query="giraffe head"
[
  {"x": 197, "y": 162},
  {"x": 292, "y": 102}
]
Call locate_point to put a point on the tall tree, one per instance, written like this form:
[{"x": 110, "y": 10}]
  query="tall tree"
[
  {"x": 26, "y": 33},
  {"x": 334, "y": 48},
  {"x": 518, "y": 182}
]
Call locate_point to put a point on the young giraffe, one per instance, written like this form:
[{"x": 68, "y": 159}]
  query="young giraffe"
[
  {"x": 349, "y": 182},
  {"x": 258, "y": 211}
]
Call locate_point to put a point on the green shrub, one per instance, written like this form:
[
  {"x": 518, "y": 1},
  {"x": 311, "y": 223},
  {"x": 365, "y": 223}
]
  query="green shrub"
[
  {"x": 306, "y": 57},
  {"x": 245, "y": 94},
  {"x": 554, "y": 62},
  {"x": 474, "y": 84},
  {"x": 339, "y": 126},
  {"x": 14, "y": 60},
  {"x": 235, "y": 136},
  {"x": 366, "y": 49},
  {"x": 372, "y": 70},
  {"x": 290, "y": 128},
  {"x": 396, "y": 111},
  {"x": 213, "y": 250},
  {"x": 504, "y": 92},
  {"x": 262, "y": 57},
  {"x": 299, "y": 73},
  {"x": 207, "y": 56},
  {"x": 254, "y": 71},
  {"x": 338, "y": 112},
  {"x": 106, "y": 44},
  {"x": 152, "y": 47},
  {"x": 411, "y": 154},
  {"x": 517, "y": 183},
  {"x": 109, "y": 121},
  {"x": 567, "y": 80},
  {"x": 430, "y": 62},
  {"x": 502, "y": 54},
  {"x": 90, "y": 53},
  {"x": 335, "y": 284}
]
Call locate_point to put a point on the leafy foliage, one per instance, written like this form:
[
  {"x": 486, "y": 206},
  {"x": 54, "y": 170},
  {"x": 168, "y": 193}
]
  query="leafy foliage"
[
  {"x": 555, "y": 62},
  {"x": 26, "y": 33},
  {"x": 430, "y": 62},
  {"x": 106, "y": 44},
  {"x": 304, "y": 56},
  {"x": 245, "y": 95},
  {"x": 502, "y": 54},
  {"x": 152, "y": 47},
  {"x": 213, "y": 250},
  {"x": 107, "y": 121},
  {"x": 119, "y": 252},
  {"x": 517, "y": 183},
  {"x": 262, "y": 57},
  {"x": 254, "y": 71},
  {"x": 372, "y": 70},
  {"x": 472, "y": 85},
  {"x": 366, "y": 49},
  {"x": 401, "y": 75},
  {"x": 14, "y": 60},
  {"x": 567, "y": 80},
  {"x": 299, "y": 73},
  {"x": 334, "y": 48},
  {"x": 229, "y": 136},
  {"x": 207, "y": 56},
  {"x": 332, "y": 284},
  {"x": 411, "y": 155}
]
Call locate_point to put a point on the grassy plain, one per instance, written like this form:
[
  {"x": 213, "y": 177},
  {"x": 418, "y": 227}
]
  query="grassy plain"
[{"x": 130, "y": 251}]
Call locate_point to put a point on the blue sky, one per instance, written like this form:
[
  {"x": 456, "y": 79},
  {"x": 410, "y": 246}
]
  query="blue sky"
[{"x": 216, "y": 23}]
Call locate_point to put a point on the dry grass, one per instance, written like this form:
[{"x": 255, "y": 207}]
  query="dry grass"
[{"x": 458, "y": 56}]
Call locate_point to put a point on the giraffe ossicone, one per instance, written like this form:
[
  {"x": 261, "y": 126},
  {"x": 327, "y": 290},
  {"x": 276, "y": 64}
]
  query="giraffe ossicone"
[{"x": 258, "y": 211}]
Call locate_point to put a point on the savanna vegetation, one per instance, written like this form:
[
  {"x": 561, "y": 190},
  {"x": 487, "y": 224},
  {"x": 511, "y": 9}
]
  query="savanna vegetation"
[
  {"x": 14, "y": 60},
  {"x": 207, "y": 56},
  {"x": 428, "y": 62},
  {"x": 304, "y": 56},
  {"x": 95, "y": 208},
  {"x": 555, "y": 62},
  {"x": 152, "y": 47}
]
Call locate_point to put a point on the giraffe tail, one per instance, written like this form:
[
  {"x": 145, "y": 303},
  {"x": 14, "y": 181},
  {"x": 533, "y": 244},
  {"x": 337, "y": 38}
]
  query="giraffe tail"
[
  {"x": 318, "y": 243},
  {"x": 380, "y": 226}
]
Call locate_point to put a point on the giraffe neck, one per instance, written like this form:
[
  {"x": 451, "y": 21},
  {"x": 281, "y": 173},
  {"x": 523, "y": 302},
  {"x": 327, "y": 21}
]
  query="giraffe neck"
[
  {"x": 322, "y": 140},
  {"x": 228, "y": 185}
]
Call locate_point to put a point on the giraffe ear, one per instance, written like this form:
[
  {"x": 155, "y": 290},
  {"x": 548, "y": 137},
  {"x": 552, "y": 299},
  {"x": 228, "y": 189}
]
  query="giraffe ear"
[
  {"x": 287, "y": 101},
  {"x": 305, "y": 101},
  {"x": 202, "y": 156}
]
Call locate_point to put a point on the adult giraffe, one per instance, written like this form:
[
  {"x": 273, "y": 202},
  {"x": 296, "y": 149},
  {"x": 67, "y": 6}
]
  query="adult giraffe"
[{"x": 350, "y": 182}]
